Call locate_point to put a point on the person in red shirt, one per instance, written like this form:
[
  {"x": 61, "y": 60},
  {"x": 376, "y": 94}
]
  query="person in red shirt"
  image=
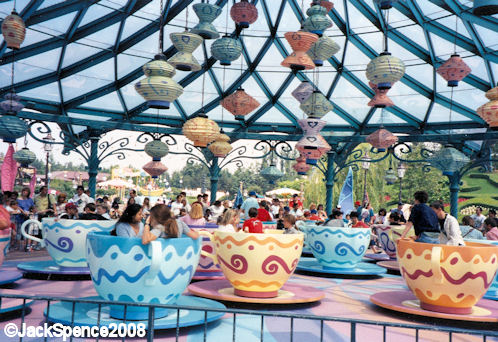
[
  {"x": 314, "y": 215},
  {"x": 263, "y": 213},
  {"x": 296, "y": 200},
  {"x": 355, "y": 223},
  {"x": 253, "y": 225}
]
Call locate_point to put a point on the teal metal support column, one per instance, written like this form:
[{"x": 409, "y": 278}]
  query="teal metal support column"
[
  {"x": 214, "y": 172},
  {"x": 454, "y": 189},
  {"x": 93, "y": 165},
  {"x": 329, "y": 181}
]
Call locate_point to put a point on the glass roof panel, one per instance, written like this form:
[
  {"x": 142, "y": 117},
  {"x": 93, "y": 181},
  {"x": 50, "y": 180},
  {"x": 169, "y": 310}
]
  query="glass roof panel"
[
  {"x": 56, "y": 26},
  {"x": 76, "y": 52},
  {"x": 105, "y": 38},
  {"x": 48, "y": 92},
  {"x": 442, "y": 114},
  {"x": 93, "y": 13},
  {"x": 109, "y": 101},
  {"x": 131, "y": 97}
]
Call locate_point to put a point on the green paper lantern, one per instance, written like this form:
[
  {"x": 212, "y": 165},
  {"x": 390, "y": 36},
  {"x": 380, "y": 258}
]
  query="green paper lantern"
[
  {"x": 24, "y": 157},
  {"x": 156, "y": 149},
  {"x": 317, "y": 20},
  {"x": 226, "y": 50},
  {"x": 317, "y": 105},
  {"x": 12, "y": 128},
  {"x": 323, "y": 49},
  {"x": 390, "y": 176}
]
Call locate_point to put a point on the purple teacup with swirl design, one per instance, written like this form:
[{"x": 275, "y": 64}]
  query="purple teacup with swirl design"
[
  {"x": 257, "y": 265},
  {"x": 207, "y": 268},
  {"x": 65, "y": 239}
]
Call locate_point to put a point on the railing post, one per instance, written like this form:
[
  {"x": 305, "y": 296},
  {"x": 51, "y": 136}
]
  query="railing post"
[
  {"x": 214, "y": 172},
  {"x": 93, "y": 165}
]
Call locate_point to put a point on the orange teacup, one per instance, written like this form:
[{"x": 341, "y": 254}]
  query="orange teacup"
[{"x": 450, "y": 279}]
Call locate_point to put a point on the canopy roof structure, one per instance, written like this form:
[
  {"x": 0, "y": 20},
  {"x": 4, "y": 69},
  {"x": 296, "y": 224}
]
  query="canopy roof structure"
[{"x": 80, "y": 60}]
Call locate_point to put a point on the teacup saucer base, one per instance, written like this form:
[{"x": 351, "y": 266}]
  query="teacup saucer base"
[
  {"x": 88, "y": 314},
  {"x": 223, "y": 290},
  {"x": 406, "y": 302},
  {"x": 8, "y": 277},
  {"x": 50, "y": 267},
  {"x": 208, "y": 275},
  {"x": 361, "y": 269},
  {"x": 390, "y": 265},
  {"x": 377, "y": 256},
  {"x": 10, "y": 305}
]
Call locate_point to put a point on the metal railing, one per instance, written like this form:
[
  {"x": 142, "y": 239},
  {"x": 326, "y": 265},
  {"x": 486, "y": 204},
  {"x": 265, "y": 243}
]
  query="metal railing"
[{"x": 354, "y": 324}]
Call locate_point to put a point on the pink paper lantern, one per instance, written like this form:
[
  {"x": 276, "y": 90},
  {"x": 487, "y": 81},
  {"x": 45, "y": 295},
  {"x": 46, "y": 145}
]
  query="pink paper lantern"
[
  {"x": 244, "y": 13},
  {"x": 382, "y": 139},
  {"x": 155, "y": 168},
  {"x": 380, "y": 99},
  {"x": 312, "y": 145},
  {"x": 13, "y": 30},
  {"x": 300, "y": 42},
  {"x": 240, "y": 103},
  {"x": 454, "y": 70},
  {"x": 300, "y": 166},
  {"x": 489, "y": 111}
]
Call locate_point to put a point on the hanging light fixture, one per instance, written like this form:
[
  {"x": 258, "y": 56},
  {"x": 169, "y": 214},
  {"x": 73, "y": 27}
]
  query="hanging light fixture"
[
  {"x": 156, "y": 149},
  {"x": 380, "y": 99},
  {"x": 300, "y": 42},
  {"x": 24, "y": 157},
  {"x": 317, "y": 21},
  {"x": 303, "y": 91},
  {"x": 312, "y": 145},
  {"x": 226, "y": 50},
  {"x": 185, "y": 43},
  {"x": 244, "y": 13},
  {"x": 385, "y": 4},
  {"x": 13, "y": 30},
  {"x": 382, "y": 139},
  {"x": 271, "y": 173},
  {"x": 485, "y": 7},
  {"x": 317, "y": 105},
  {"x": 155, "y": 168},
  {"x": 300, "y": 166},
  {"x": 449, "y": 160},
  {"x": 454, "y": 70},
  {"x": 327, "y": 4},
  {"x": 158, "y": 88},
  {"x": 489, "y": 111},
  {"x": 221, "y": 146},
  {"x": 240, "y": 103},
  {"x": 385, "y": 70},
  {"x": 390, "y": 176},
  {"x": 207, "y": 13},
  {"x": 323, "y": 49}
]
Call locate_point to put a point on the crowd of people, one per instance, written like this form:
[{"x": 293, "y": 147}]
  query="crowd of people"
[{"x": 136, "y": 218}]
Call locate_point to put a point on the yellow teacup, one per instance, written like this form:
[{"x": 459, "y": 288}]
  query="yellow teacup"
[
  {"x": 257, "y": 265},
  {"x": 445, "y": 278}
]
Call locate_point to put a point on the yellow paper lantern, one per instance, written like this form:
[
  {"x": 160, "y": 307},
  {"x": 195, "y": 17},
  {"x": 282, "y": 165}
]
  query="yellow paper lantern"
[
  {"x": 221, "y": 146},
  {"x": 201, "y": 130}
]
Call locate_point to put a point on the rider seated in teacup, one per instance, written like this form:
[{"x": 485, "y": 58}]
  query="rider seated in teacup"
[
  {"x": 290, "y": 224},
  {"x": 229, "y": 221},
  {"x": 71, "y": 212},
  {"x": 450, "y": 229},
  {"x": 130, "y": 223},
  {"x": 161, "y": 223},
  {"x": 253, "y": 225},
  {"x": 90, "y": 214}
]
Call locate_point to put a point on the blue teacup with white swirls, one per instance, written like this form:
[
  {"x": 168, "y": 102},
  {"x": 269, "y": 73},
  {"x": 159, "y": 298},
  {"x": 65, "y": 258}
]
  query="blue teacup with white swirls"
[
  {"x": 337, "y": 247},
  {"x": 65, "y": 239},
  {"x": 123, "y": 269}
]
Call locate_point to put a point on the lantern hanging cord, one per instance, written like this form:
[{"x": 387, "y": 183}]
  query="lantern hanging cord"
[
  {"x": 223, "y": 96},
  {"x": 161, "y": 26},
  {"x": 186, "y": 18},
  {"x": 451, "y": 110},
  {"x": 456, "y": 32},
  {"x": 386, "y": 31},
  {"x": 226, "y": 20}
]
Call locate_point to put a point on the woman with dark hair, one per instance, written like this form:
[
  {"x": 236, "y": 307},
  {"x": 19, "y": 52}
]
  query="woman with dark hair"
[
  {"x": 381, "y": 217},
  {"x": 161, "y": 223},
  {"x": 130, "y": 224}
]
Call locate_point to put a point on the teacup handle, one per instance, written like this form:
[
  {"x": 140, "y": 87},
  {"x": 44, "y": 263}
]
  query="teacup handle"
[
  {"x": 436, "y": 264},
  {"x": 31, "y": 237},
  {"x": 155, "y": 253},
  {"x": 207, "y": 254}
]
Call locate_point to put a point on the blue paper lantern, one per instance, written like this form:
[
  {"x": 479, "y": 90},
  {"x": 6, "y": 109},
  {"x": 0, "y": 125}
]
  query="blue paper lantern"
[
  {"x": 449, "y": 160},
  {"x": 207, "y": 13},
  {"x": 226, "y": 50},
  {"x": 24, "y": 157},
  {"x": 317, "y": 20},
  {"x": 271, "y": 174},
  {"x": 12, "y": 128}
]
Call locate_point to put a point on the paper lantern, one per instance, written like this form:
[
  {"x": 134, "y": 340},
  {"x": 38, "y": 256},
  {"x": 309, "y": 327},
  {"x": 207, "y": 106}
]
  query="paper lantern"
[
  {"x": 489, "y": 111},
  {"x": 155, "y": 168},
  {"x": 300, "y": 42},
  {"x": 201, "y": 130},
  {"x": 24, "y": 157},
  {"x": 239, "y": 103},
  {"x": 317, "y": 20},
  {"x": 11, "y": 104},
  {"x": 244, "y": 13},
  {"x": 13, "y": 30},
  {"x": 300, "y": 166},
  {"x": 303, "y": 91},
  {"x": 454, "y": 70},
  {"x": 485, "y": 7},
  {"x": 272, "y": 174},
  {"x": 312, "y": 145},
  {"x": 226, "y": 50},
  {"x": 221, "y": 146},
  {"x": 382, "y": 139},
  {"x": 317, "y": 105},
  {"x": 323, "y": 49},
  {"x": 156, "y": 149},
  {"x": 185, "y": 43},
  {"x": 385, "y": 4},
  {"x": 12, "y": 128},
  {"x": 449, "y": 160},
  {"x": 207, "y": 13},
  {"x": 385, "y": 70},
  {"x": 390, "y": 176},
  {"x": 380, "y": 99},
  {"x": 158, "y": 88},
  {"x": 327, "y": 4}
]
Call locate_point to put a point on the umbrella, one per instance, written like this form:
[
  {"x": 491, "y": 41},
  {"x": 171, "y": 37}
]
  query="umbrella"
[
  {"x": 282, "y": 192},
  {"x": 116, "y": 183}
]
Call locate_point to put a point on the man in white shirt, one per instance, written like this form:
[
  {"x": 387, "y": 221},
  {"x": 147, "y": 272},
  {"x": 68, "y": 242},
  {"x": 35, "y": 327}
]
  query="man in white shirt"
[
  {"x": 133, "y": 194},
  {"x": 450, "y": 229},
  {"x": 296, "y": 211},
  {"x": 80, "y": 198},
  {"x": 249, "y": 203},
  {"x": 177, "y": 205},
  {"x": 478, "y": 218},
  {"x": 216, "y": 210},
  {"x": 275, "y": 207}
]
